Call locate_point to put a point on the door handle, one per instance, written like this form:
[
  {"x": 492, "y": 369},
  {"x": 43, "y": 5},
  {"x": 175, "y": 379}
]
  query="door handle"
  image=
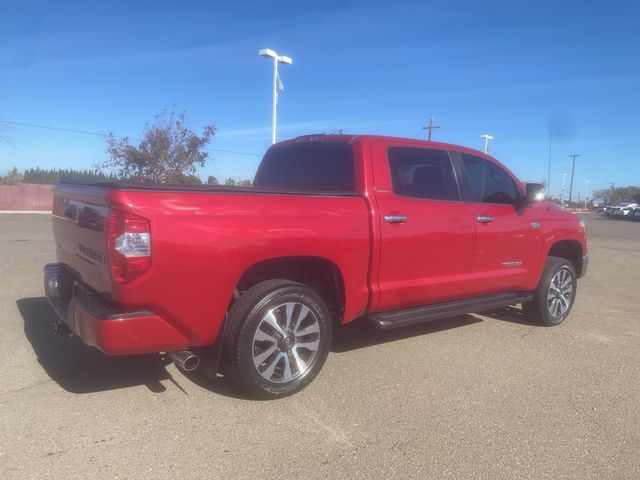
[
  {"x": 396, "y": 218},
  {"x": 485, "y": 219}
]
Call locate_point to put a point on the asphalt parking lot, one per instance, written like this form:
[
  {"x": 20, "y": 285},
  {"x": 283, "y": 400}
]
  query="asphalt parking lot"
[{"x": 472, "y": 397}]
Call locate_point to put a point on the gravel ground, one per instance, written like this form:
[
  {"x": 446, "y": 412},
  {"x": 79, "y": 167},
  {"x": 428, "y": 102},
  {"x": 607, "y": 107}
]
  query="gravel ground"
[{"x": 478, "y": 396}]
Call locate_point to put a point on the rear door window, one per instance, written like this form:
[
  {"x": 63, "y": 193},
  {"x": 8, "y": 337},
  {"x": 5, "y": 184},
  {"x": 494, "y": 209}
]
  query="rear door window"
[{"x": 422, "y": 173}]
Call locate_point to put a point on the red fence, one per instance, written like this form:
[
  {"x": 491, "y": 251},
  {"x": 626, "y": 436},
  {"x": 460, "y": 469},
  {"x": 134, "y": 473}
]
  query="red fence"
[{"x": 25, "y": 197}]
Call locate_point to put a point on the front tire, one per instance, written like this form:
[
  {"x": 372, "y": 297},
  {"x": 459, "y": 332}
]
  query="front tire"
[
  {"x": 555, "y": 294},
  {"x": 278, "y": 338}
]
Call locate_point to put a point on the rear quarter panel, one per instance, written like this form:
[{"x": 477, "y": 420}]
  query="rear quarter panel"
[{"x": 202, "y": 243}]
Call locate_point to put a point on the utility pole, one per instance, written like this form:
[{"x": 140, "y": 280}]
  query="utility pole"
[
  {"x": 564, "y": 178},
  {"x": 430, "y": 127},
  {"x": 486, "y": 137},
  {"x": 573, "y": 167}
]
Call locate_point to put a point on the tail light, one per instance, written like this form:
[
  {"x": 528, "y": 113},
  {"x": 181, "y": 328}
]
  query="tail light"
[{"x": 129, "y": 245}]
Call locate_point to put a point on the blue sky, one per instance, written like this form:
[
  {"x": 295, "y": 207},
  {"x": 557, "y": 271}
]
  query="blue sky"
[{"x": 511, "y": 69}]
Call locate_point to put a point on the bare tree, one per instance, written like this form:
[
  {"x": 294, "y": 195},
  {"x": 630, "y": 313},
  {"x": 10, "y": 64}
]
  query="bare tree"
[
  {"x": 168, "y": 152},
  {"x": 13, "y": 177}
]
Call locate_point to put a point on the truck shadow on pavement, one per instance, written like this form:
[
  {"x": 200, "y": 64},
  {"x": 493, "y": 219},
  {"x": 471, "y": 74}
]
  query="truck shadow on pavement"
[
  {"x": 361, "y": 333},
  {"x": 81, "y": 369}
]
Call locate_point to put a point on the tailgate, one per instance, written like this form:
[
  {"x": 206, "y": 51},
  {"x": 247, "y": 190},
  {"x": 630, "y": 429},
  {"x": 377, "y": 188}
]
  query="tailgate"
[{"x": 79, "y": 228}]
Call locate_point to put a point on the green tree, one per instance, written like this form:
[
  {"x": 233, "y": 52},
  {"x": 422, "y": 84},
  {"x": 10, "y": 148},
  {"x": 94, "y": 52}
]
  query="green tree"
[
  {"x": 623, "y": 194},
  {"x": 238, "y": 181},
  {"x": 183, "y": 178},
  {"x": 212, "y": 180},
  {"x": 614, "y": 196},
  {"x": 43, "y": 176},
  {"x": 168, "y": 150}
]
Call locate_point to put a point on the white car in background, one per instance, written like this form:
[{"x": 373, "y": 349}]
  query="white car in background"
[
  {"x": 626, "y": 209},
  {"x": 621, "y": 210}
]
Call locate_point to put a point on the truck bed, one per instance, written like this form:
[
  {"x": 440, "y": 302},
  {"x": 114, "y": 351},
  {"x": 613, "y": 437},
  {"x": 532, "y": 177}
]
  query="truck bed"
[{"x": 203, "y": 239}]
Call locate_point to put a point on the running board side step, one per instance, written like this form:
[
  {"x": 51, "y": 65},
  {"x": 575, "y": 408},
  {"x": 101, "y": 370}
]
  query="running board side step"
[{"x": 412, "y": 316}]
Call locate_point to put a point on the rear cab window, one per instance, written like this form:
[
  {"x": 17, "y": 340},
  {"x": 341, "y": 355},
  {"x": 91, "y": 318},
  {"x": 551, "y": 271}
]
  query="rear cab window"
[
  {"x": 313, "y": 166},
  {"x": 422, "y": 173}
]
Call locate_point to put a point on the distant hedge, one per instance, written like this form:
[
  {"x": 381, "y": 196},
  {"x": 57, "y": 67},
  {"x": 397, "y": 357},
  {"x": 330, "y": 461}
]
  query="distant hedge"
[{"x": 42, "y": 176}]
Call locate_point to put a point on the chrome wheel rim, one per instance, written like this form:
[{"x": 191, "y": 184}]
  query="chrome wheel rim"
[
  {"x": 286, "y": 342},
  {"x": 560, "y": 293}
]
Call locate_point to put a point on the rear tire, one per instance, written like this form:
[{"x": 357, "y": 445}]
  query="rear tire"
[
  {"x": 555, "y": 294},
  {"x": 277, "y": 339}
]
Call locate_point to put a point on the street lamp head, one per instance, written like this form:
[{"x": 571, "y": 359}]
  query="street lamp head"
[
  {"x": 267, "y": 52},
  {"x": 487, "y": 137}
]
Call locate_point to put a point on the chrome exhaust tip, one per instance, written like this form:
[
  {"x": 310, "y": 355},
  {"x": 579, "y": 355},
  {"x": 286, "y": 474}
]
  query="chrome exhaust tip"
[{"x": 185, "y": 359}]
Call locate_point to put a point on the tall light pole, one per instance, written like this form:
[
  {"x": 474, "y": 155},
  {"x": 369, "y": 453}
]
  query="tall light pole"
[
  {"x": 564, "y": 178},
  {"x": 549, "y": 169},
  {"x": 486, "y": 137},
  {"x": 268, "y": 53},
  {"x": 573, "y": 167},
  {"x": 586, "y": 195}
]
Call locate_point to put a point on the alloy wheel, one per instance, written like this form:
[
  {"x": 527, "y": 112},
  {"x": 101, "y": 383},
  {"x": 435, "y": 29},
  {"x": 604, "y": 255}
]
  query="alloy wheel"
[
  {"x": 285, "y": 342},
  {"x": 560, "y": 293}
]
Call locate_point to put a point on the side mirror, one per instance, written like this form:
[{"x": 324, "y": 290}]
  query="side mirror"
[{"x": 535, "y": 192}]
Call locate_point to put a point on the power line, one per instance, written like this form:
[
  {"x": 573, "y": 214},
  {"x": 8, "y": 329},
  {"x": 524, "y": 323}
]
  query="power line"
[
  {"x": 47, "y": 127},
  {"x": 233, "y": 151},
  {"x": 103, "y": 135}
]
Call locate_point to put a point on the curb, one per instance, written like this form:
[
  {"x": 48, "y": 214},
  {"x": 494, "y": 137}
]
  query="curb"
[{"x": 40, "y": 212}]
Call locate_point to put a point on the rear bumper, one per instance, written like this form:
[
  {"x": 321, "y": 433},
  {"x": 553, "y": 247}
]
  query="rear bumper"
[{"x": 98, "y": 324}]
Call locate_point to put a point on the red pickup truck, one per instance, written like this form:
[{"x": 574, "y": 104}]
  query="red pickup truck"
[{"x": 335, "y": 227}]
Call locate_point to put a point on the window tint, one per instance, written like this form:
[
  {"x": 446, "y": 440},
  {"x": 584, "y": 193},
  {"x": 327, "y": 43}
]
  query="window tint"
[
  {"x": 308, "y": 166},
  {"x": 489, "y": 182},
  {"x": 422, "y": 173}
]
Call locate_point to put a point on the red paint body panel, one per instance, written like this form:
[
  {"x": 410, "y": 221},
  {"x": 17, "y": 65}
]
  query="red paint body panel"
[
  {"x": 426, "y": 259},
  {"x": 209, "y": 240},
  {"x": 509, "y": 238},
  {"x": 203, "y": 241},
  {"x": 127, "y": 336}
]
